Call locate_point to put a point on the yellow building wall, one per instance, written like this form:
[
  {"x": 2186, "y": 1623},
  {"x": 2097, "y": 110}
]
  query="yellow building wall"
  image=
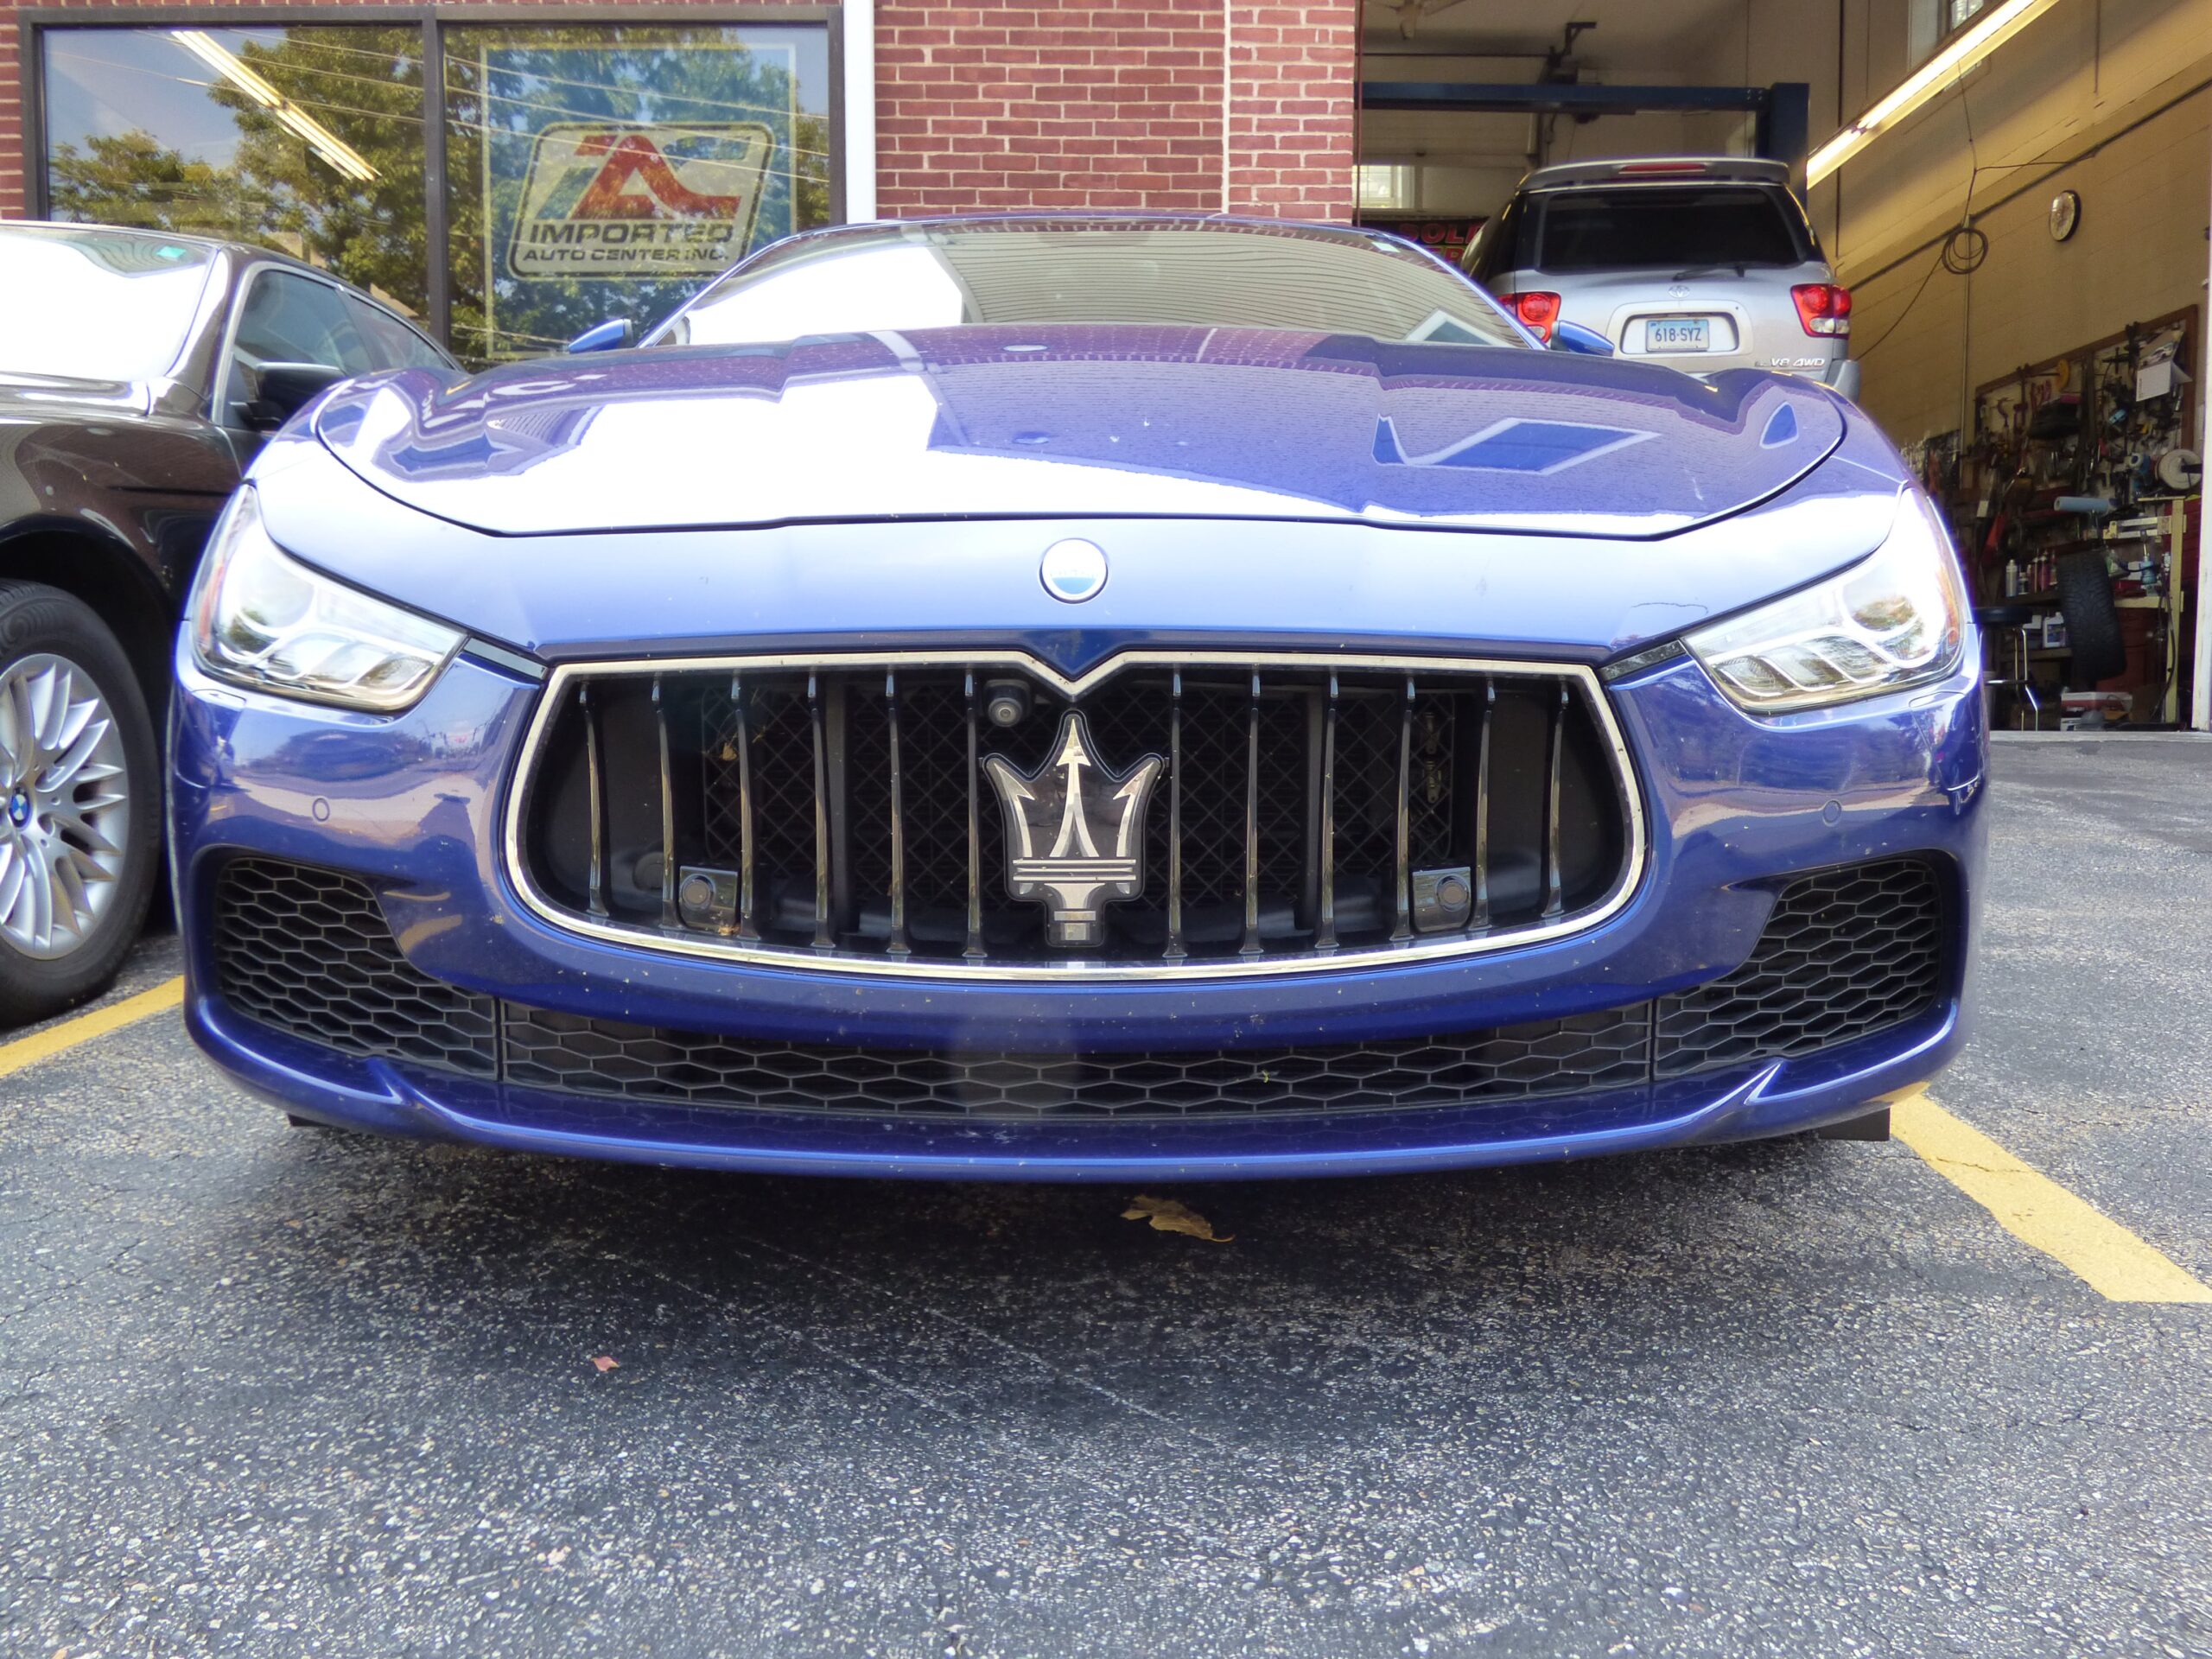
[{"x": 2111, "y": 99}]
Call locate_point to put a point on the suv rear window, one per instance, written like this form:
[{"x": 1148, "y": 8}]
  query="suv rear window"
[{"x": 1672, "y": 226}]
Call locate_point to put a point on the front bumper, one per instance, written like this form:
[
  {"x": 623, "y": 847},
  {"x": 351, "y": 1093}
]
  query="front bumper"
[{"x": 413, "y": 805}]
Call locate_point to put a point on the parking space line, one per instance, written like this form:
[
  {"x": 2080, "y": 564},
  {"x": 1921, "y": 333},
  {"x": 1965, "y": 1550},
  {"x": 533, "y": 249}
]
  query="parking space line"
[
  {"x": 113, "y": 1016},
  {"x": 2038, "y": 1211}
]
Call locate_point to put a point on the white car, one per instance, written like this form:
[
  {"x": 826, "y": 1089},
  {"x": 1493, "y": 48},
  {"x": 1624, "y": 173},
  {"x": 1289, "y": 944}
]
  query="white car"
[{"x": 1705, "y": 262}]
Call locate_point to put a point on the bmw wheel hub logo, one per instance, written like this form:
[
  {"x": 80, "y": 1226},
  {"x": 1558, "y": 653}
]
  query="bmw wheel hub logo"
[{"x": 1073, "y": 570}]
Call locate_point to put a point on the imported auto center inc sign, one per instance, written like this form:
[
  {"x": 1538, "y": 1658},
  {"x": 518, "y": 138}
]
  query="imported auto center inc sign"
[
  {"x": 617, "y": 200},
  {"x": 618, "y": 178}
]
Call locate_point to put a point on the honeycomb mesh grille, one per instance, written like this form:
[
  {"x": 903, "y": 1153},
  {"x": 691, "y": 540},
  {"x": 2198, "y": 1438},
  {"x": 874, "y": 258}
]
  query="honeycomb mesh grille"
[
  {"x": 1584, "y": 1054},
  {"x": 308, "y": 951},
  {"x": 1847, "y": 953}
]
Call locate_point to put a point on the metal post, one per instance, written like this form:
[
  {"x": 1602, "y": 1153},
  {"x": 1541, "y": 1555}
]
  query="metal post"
[
  {"x": 2200, "y": 693},
  {"x": 438, "y": 291}
]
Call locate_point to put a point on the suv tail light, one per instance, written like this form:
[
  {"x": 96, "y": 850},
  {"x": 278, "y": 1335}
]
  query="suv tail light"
[
  {"x": 1823, "y": 307},
  {"x": 1541, "y": 311}
]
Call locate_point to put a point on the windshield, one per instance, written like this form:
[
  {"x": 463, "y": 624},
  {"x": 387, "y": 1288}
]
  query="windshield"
[
  {"x": 1697, "y": 227},
  {"x": 95, "y": 305},
  {"x": 1200, "y": 275}
]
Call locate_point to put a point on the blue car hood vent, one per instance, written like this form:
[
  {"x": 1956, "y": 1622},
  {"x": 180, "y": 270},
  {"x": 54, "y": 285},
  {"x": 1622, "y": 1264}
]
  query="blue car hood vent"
[{"x": 1082, "y": 422}]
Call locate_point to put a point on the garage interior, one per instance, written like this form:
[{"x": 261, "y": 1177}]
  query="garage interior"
[{"x": 2015, "y": 194}]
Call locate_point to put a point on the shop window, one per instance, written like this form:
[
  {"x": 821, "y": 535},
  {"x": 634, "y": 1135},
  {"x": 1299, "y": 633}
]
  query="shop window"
[
  {"x": 1386, "y": 186},
  {"x": 592, "y": 170},
  {"x": 598, "y": 172},
  {"x": 1930, "y": 23},
  {"x": 305, "y": 139}
]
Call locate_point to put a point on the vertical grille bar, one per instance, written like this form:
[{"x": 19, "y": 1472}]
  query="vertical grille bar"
[
  {"x": 1324, "y": 931},
  {"x": 748, "y": 902},
  {"x": 1479, "y": 918},
  {"x": 1553, "y": 906},
  {"x": 667, "y": 810},
  {"x": 897, "y": 945},
  {"x": 1175, "y": 952},
  {"x": 823, "y": 938},
  {"x": 1250, "y": 947},
  {"x": 595, "y": 790},
  {"x": 974, "y": 948},
  {"x": 1402, "y": 877}
]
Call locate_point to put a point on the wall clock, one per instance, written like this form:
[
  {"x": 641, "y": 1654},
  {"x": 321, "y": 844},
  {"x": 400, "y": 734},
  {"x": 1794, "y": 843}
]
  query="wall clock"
[{"x": 2065, "y": 215}]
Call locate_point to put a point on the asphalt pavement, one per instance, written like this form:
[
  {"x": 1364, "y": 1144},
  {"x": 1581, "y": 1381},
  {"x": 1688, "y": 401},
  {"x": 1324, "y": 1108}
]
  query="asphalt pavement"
[{"x": 281, "y": 1391}]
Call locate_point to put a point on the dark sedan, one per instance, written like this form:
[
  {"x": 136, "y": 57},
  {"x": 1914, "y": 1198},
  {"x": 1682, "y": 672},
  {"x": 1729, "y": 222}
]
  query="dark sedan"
[{"x": 139, "y": 374}]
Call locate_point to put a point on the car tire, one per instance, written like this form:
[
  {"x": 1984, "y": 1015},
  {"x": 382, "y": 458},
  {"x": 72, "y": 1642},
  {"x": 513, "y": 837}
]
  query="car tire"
[
  {"x": 80, "y": 794},
  {"x": 2092, "y": 620}
]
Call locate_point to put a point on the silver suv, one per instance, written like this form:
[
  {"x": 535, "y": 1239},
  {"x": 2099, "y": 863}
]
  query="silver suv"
[{"x": 1704, "y": 262}]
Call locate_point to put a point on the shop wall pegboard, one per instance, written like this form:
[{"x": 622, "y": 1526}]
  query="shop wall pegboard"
[{"x": 2064, "y": 459}]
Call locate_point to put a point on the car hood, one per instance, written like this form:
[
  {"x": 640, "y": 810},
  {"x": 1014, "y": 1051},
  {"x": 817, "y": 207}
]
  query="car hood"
[
  {"x": 1081, "y": 421},
  {"x": 1174, "y": 581}
]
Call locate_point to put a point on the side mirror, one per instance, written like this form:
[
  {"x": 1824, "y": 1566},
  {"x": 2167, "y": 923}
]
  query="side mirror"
[
  {"x": 1583, "y": 342},
  {"x": 609, "y": 336},
  {"x": 284, "y": 389}
]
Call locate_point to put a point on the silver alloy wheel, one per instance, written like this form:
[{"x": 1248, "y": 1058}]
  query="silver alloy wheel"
[{"x": 65, "y": 816}]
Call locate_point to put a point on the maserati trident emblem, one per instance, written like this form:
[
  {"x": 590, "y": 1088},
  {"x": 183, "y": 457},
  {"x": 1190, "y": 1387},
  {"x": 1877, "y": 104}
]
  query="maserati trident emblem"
[
  {"x": 1074, "y": 832},
  {"x": 1073, "y": 570}
]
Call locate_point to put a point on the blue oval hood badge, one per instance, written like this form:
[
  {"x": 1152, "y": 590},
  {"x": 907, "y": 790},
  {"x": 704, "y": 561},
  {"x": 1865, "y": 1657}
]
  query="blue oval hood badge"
[{"x": 1073, "y": 570}]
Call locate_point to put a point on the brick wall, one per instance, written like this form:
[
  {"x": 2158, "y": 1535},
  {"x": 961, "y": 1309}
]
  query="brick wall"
[
  {"x": 11, "y": 117},
  {"x": 1293, "y": 112},
  {"x": 1072, "y": 105},
  {"x": 1053, "y": 103},
  {"x": 1047, "y": 105}
]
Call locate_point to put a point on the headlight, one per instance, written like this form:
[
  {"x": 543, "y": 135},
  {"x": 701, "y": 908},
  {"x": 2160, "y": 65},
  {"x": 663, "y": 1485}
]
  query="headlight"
[
  {"x": 1893, "y": 620},
  {"x": 261, "y": 620}
]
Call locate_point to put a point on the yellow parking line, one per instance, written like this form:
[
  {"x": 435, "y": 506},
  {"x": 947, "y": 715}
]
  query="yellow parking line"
[
  {"x": 2036, "y": 1211},
  {"x": 113, "y": 1016}
]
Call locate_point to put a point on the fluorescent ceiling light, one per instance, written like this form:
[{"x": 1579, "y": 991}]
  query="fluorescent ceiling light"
[
  {"x": 1995, "y": 27},
  {"x": 288, "y": 115}
]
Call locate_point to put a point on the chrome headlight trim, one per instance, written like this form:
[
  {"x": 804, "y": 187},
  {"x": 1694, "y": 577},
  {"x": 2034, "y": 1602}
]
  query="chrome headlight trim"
[
  {"x": 261, "y": 620},
  {"x": 1896, "y": 619}
]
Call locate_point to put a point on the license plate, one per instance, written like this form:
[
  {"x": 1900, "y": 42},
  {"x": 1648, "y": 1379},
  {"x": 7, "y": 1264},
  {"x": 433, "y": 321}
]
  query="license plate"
[{"x": 1677, "y": 334}]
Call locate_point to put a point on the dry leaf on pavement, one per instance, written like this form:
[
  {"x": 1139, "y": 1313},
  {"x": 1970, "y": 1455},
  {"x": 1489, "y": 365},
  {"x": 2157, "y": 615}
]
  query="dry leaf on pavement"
[
  {"x": 1171, "y": 1216},
  {"x": 606, "y": 1363}
]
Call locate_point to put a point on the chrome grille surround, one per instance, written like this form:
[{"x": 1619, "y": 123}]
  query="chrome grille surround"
[{"x": 561, "y": 685}]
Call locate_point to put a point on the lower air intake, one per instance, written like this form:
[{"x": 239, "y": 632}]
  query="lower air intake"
[
  {"x": 308, "y": 952},
  {"x": 1847, "y": 953},
  {"x": 1583, "y": 1055}
]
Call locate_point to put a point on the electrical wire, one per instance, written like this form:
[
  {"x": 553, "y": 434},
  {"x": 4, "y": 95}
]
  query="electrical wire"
[
  {"x": 1866, "y": 352},
  {"x": 1975, "y": 246},
  {"x": 1963, "y": 249}
]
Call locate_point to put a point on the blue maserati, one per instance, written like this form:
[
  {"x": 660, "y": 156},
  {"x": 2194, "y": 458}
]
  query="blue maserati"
[{"x": 1056, "y": 698}]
